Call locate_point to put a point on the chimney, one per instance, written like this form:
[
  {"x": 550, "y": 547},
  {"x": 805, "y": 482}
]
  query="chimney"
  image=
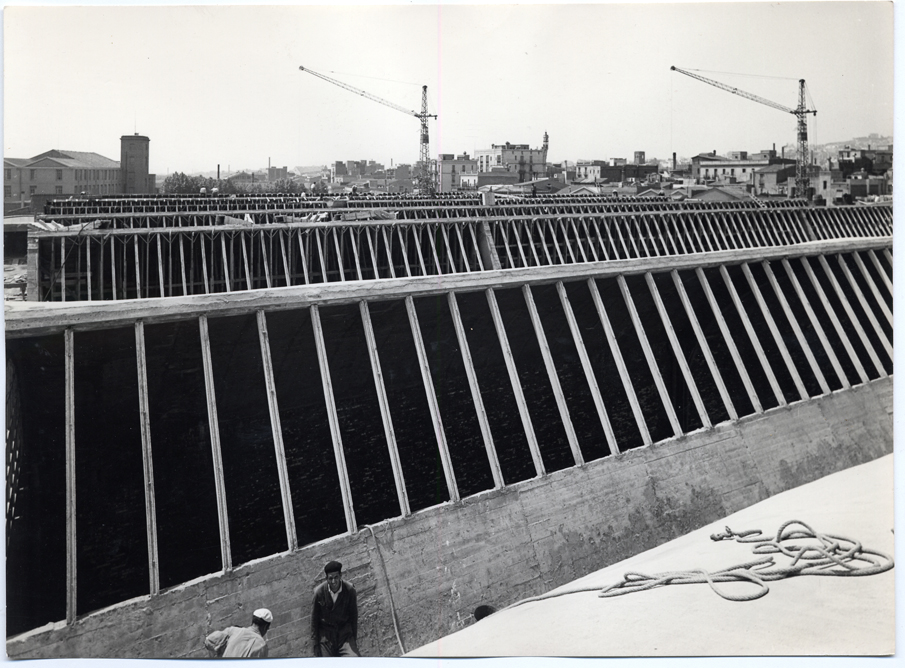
[
  {"x": 218, "y": 171},
  {"x": 713, "y": 152},
  {"x": 674, "y": 161}
]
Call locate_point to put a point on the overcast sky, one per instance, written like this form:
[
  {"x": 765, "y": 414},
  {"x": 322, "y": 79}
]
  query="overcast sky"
[{"x": 221, "y": 85}]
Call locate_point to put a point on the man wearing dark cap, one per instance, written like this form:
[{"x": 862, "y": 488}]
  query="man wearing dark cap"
[
  {"x": 245, "y": 642},
  {"x": 334, "y": 618}
]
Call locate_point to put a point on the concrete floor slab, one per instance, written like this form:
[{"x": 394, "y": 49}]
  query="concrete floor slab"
[{"x": 803, "y": 615}]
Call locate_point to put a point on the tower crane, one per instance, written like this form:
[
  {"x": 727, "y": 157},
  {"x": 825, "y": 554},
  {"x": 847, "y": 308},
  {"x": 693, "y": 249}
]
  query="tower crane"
[
  {"x": 425, "y": 180},
  {"x": 802, "y": 178}
]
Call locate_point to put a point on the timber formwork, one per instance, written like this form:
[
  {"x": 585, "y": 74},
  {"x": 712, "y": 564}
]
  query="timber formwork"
[
  {"x": 364, "y": 370},
  {"x": 152, "y": 254}
]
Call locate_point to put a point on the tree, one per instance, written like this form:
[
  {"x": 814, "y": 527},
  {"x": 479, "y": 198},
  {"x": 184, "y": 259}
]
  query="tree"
[
  {"x": 287, "y": 186},
  {"x": 178, "y": 183}
]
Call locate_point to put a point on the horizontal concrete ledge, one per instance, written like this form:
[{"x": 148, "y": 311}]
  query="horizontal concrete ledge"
[{"x": 41, "y": 318}]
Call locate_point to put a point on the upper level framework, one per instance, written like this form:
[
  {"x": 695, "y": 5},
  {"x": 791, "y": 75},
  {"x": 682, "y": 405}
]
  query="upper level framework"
[{"x": 115, "y": 250}]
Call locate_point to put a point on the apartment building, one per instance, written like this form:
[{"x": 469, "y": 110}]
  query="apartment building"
[
  {"x": 451, "y": 168},
  {"x": 737, "y": 167},
  {"x": 526, "y": 162}
]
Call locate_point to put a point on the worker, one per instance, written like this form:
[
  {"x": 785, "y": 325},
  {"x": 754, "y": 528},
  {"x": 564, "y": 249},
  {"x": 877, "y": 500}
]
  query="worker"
[
  {"x": 334, "y": 615},
  {"x": 246, "y": 642}
]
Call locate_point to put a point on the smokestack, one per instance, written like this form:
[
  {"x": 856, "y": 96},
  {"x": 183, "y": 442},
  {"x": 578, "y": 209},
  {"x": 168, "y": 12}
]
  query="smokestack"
[
  {"x": 218, "y": 171},
  {"x": 674, "y": 161}
]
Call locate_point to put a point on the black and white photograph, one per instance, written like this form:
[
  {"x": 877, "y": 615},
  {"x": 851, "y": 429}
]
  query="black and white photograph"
[{"x": 441, "y": 331}]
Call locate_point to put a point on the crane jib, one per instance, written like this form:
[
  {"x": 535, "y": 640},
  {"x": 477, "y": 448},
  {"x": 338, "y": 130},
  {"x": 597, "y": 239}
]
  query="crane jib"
[{"x": 802, "y": 162}]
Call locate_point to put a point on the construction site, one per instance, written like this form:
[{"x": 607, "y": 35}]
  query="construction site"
[
  {"x": 468, "y": 399},
  {"x": 207, "y": 397}
]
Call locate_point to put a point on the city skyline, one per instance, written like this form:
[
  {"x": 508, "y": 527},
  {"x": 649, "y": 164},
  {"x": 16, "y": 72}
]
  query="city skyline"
[{"x": 216, "y": 85}]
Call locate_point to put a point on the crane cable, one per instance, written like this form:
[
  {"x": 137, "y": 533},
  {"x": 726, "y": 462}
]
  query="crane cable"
[
  {"x": 831, "y": 555},
  {"x": 741, "y": 74}
]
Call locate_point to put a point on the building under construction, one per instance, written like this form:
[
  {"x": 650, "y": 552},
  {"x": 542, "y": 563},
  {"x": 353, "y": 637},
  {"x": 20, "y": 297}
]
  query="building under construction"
[{"x": 465, "y": 402}]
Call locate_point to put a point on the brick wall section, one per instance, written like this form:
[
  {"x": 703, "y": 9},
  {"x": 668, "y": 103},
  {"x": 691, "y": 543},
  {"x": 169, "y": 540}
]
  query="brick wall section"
[{"x": 501, "y": 545}]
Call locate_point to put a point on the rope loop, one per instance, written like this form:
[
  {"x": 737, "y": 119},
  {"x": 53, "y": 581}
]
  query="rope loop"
[{"x": 808, "y": 552}]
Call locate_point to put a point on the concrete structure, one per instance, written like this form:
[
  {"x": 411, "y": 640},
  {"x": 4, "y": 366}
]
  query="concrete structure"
[
  {"x": 522, "y": 160},
  {"x": 523, "y": 539},
  {"x": 463, "y": 402},
  {"x": 808, "y": 615},
  {"x": 451, "y": 168}
]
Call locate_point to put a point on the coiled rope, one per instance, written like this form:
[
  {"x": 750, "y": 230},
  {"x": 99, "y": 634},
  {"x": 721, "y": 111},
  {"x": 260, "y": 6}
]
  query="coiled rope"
[{"x": 820, "y": 554}]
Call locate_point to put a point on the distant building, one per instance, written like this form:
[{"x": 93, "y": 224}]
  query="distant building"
[
  {"x": 616, "y": 170},
  {"x": 881, "y": 158},
  {"x": 247, "y": 177},
  {"x": 589, "y": 170},
  {"x": 737, "y": 167},
  {"x": 830, "y": 185},
  {"x": 525, "y": 162},
  {"x": 773, "y": 179},
  {"x": 400, "y": 172},
  {"x": 450, "y": 169},
  {"x": 861, "y": 184},
  {"x": 134, "y": 161},
  {"x": 277, "y": 173},
  {"x": 55, "y": 173},
  {"x": 497, "y": 177}
]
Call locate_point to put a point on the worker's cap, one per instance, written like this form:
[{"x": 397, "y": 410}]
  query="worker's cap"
[
  {"x": 333, "y": 567},
  {"x": 263, "y": 614}
]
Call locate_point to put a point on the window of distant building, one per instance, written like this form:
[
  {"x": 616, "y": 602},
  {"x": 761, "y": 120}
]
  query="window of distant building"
[
  {"x": 8, "y": 191},
  {"x": 8, "y": 174},
  {"x": 59, "y": 178},
  {"x": 31, "y": 174},
  {"x": 58, "y": 190},
  {"x": 32, "y": 189}
]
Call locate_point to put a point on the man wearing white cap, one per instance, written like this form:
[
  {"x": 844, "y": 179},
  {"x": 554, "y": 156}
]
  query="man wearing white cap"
[{"x": 245, "y": 642}]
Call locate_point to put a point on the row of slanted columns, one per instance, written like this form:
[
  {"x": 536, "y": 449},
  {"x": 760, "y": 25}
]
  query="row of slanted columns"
[
  {"x": 810, "y": 266},
  {"x": 136, "y": 264},
  {"x": 175, "y": 261},
  {"x": 527, "y": 241}
]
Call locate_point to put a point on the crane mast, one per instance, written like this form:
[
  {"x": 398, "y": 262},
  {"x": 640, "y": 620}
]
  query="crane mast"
[
  {"x": 802, "y": 178},
  {"x": 424, "y": 179}
]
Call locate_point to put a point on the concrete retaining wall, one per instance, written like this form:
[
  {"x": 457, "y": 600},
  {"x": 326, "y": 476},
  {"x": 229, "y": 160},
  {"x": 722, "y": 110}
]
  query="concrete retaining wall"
[{"x": 502, "y": 545}]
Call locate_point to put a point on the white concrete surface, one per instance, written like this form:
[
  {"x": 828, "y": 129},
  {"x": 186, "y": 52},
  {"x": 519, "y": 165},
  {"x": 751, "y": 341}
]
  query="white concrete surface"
[{"x": 804, "y": 615}]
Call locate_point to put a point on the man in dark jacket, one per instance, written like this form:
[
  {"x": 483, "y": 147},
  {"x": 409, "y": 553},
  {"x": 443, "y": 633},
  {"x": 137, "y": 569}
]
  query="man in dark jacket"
[{"x": 334, "y": 618}]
